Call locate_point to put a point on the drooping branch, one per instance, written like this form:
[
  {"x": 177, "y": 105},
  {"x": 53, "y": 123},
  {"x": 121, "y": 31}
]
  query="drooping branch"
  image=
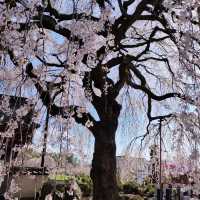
[
  {"x": 65, "y": 17},
  {"x": 127, "y": 46},
  {"x": 48, "y": 22},
  {"x": 164, "y": 60},
  {"x": 123, "y": 23},
  {"x": 76, "y": 112},
  {"x": 143, "y": 86},
  {"x": 150, "y": 95},
  {"x": 61, "y": 65},
  {"x": 153, "y": 96},
  {"x": 158, "y": 117}
]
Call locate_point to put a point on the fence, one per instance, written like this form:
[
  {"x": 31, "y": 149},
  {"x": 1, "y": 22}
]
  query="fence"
[{"x": 174, "y": 194}]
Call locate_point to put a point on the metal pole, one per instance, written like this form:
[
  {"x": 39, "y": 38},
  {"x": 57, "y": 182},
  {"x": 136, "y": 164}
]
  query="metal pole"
[
  {"x": 45, "y": 139},
  {"x": 160, "y": 171}
]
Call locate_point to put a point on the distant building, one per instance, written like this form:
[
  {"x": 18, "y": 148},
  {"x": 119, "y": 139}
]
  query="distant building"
[{"x": 132, "y": 168}]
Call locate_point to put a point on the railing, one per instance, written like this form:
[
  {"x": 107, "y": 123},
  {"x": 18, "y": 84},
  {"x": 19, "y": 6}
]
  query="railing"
[{"x": 173, "y": 194}]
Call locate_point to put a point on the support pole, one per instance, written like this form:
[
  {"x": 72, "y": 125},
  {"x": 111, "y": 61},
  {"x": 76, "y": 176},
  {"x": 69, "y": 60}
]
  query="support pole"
[
  {"x": 45, "y": 139},
  {"x": 160, "y": 169}
]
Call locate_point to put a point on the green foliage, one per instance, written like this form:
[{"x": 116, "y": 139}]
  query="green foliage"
[
  {"x": 130, "y": 187},
  {"x": 147, "y": 180},
  {"x": 120, "y": 186},
  {"x": 59, "y": 181},
  {"x": 130, "y": 197},
  {"x": 148, "y": 190},
  {"x": 60, "y": 187},
  {"x": 72, "y": 159},
  {"x": 61, "y": 177},
  {"x": 69, "y": 158},
  {"x": 137, "y": 197},
  {"x": 85, "y": 183}
]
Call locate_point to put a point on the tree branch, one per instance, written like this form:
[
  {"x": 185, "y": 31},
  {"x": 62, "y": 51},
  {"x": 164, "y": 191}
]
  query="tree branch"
[
  {"x": 65, "y": 17},
  {"x": 83, "y": 118},
  {"x": 48, "y": 22}
]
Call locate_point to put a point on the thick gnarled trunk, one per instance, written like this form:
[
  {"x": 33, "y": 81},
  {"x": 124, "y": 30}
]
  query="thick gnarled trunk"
[{"x": 103, "y": 172}]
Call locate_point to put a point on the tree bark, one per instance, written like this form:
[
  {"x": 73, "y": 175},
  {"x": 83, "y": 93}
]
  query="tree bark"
[
  {"x": 6, "y": 183},
  {"x": 103, "y": 172}
]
